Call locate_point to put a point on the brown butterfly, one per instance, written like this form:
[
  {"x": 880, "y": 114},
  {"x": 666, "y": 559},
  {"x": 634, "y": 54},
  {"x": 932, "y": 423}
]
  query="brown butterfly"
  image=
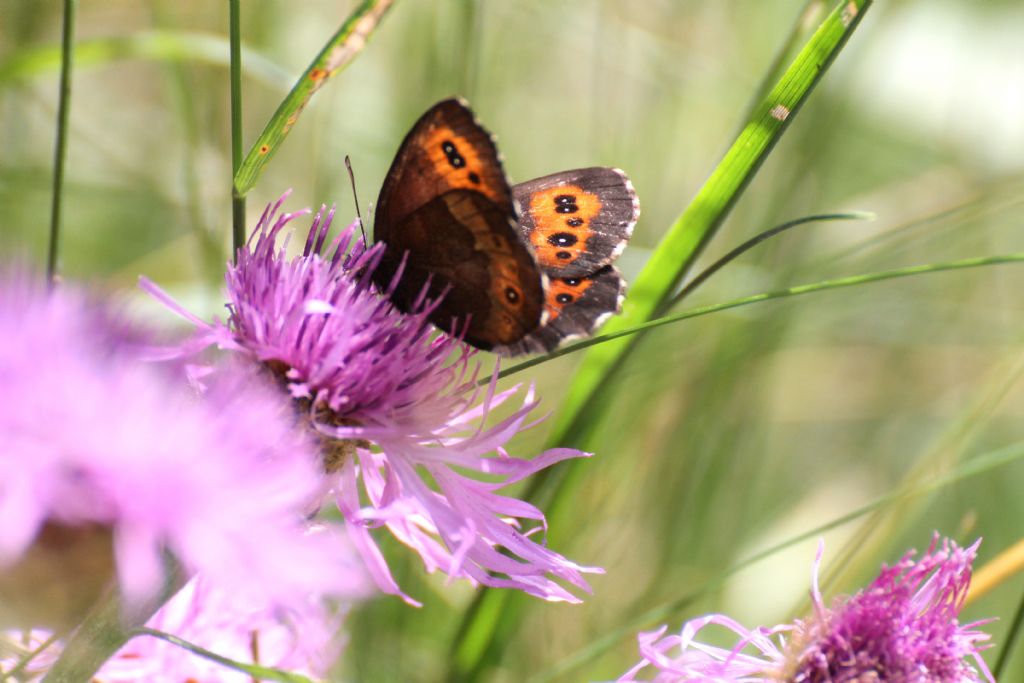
[{"x": 523, "y": 268}]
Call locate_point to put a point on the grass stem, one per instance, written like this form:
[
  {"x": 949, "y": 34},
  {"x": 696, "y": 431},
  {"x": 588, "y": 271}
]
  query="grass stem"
[
  {"x": 61, "y": 146},
  {"x": 1012, "y": 637},
  {"x": 235, "y": 70}
]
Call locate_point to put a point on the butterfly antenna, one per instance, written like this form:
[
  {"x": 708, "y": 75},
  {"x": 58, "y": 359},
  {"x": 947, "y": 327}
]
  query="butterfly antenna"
[
  {"x": 355, "y": 197},
  {"x": 761, "y": 237}
]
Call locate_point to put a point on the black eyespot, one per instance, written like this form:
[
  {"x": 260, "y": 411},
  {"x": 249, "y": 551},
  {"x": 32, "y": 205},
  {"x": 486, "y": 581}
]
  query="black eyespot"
[
  {"x": 564, "y": 298},
  {"x": 450, "y": 151},
  {"x": 562, "y": 239},
  {"x": 566, "y": 203},
  {"x": 563, "y": 255},
  {"x": 512, "y": 295},
  {"x": 571, "y": 281},
  {"x": 574, "y": 222},
  {"x": 474, "y": 178}
]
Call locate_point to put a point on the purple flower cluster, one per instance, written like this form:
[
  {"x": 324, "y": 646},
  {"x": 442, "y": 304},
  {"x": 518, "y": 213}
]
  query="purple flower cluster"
[
  {"x": 119, "y": 460},
  {"x": 399, "y": 411},
  {"x": 902, "y": 628}
]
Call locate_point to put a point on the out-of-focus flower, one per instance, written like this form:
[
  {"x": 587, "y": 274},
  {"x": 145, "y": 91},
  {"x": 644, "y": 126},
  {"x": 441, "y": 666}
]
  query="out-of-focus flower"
[
  {"x": 399, "y": 412},
  {"x": 302, "y": 639},
  {"x": 902, "y": 628},
  {"x": 111, "y": 464}
]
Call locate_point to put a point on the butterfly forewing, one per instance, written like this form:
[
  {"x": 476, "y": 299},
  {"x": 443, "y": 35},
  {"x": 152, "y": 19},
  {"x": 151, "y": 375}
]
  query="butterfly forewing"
[
  {"x": 446, "y": 211},
  {"x": 445, "y": 150}
]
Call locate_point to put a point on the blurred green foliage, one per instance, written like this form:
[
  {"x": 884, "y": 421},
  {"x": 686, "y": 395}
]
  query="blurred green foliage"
[{"x": 728, "y": 433}]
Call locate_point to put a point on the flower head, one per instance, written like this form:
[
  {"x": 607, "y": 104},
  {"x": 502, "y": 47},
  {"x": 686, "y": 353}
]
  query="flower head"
[
  {"x": 902, "y": 628},
  {"x": 396, "y": 408},
  {"x": 302, "y": 639},
  {"x": 112, "y": 462}
]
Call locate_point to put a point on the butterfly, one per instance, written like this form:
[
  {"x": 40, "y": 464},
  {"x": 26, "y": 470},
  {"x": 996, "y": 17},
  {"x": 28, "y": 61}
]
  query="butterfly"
[{"x": 520, "y": 269}]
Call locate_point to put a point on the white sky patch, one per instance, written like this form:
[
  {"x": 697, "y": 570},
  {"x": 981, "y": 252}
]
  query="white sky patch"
[{"x": 952, "y": 72}]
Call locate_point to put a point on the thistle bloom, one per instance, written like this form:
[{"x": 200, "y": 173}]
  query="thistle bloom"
[
  {"x": 902, "y": 628},
  {"x": 301, "y": 639},
  {"x": 394, "y": 408},
  {"x": 110, "y": 464}
]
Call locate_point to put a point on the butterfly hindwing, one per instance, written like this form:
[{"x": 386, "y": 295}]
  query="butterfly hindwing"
[
  {"x": 577, "y": 221},
  {"x": 576, "y": 307},
  {"x": 446, "y": 212}
]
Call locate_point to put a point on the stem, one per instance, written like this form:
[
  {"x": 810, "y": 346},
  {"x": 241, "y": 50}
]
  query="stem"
[
  {"x": 756, "y": 240},
  {"x": 19, "y": 671},
  {"x": 60, "y": 151},
  {"x": 1012, "y": 637},
  {"x": 106, "y": 629},
  {"x": 347, "y": 42},
  {"x": 237, "y": 199},
  {"x": 798, "y": 290}
]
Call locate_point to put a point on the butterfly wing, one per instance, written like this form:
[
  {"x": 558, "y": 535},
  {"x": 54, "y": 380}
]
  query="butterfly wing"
[
  {"x": 446, "y": 149},
  {"x": 577, "y": 221},
  {"x": 446, "y": 212},
  {"x": 576, "y": 308}
]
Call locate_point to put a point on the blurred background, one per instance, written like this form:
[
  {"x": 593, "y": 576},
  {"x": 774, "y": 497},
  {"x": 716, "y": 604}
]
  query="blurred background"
[{"x": 727, "y": 433}]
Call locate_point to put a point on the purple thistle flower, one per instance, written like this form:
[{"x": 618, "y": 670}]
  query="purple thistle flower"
[
  {"x": 394, "y": 407},
  {"x": 302, "y": 639},
  {"x": 117, "y": 460},
  {"x": 902, "y": 628}
]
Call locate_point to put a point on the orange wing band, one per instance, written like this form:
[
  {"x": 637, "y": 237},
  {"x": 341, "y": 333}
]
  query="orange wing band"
[{"x": 561, "y": 217}]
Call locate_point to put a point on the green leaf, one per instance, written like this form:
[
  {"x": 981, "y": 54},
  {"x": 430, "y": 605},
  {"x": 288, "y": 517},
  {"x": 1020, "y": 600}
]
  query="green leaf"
[{"x": 336, "y": 54}]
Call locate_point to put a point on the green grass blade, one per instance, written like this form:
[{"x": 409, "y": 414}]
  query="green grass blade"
[
  {"x": 687, "y": 237},
  {"x": 1012, "y": 639},
  {"x": 20, "y": 670},
  {"x": 235, "y": 79},
  {"x": 60, "y": 146},
  {"x": 801, "y": 31},
  {"x": 698, "y": 280},
  {"x": 824, "y": 285},
  {"x": 164, "y": 46},
  {"x": 705, "y": 274},
  {"x": 258, "y": 673},
  {"x": 341, "y": 49}
]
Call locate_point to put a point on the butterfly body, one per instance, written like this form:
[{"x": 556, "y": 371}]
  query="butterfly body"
[{"x": 518, "y": 269}]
